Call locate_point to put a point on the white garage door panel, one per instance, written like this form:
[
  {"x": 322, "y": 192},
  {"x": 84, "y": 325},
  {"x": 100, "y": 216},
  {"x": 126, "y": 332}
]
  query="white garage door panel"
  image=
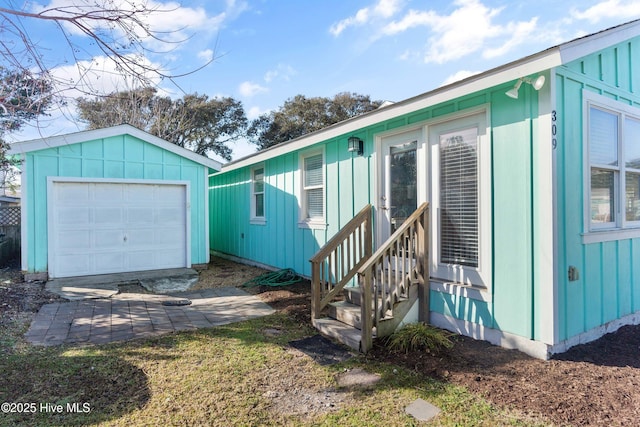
[{"x": 100, "y": 227}]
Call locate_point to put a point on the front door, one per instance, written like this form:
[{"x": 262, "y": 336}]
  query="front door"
[{"x": 399, "y": 178}]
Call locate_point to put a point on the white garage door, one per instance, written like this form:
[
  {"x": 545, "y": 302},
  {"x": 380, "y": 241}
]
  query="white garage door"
[{"x": 103, "y": 227}]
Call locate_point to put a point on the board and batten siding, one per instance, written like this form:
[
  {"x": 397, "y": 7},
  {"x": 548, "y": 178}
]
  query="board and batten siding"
[
  {"x": 118, "y": 157},
  {"x": 608, "y": 286},
  {"x": 280, "y": 242},
  {"x": 515, "y": 305}
]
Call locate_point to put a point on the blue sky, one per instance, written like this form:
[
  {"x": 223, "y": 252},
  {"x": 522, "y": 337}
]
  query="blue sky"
[{"x": 266, "y": 51}]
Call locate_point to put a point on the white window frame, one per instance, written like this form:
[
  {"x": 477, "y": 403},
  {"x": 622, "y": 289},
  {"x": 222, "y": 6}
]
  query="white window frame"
[
  {"x": 620, "y": 228},
  {"x": 304, "y": 220},
  {"x": 258, "y": 219},
  {"x": 452, "y": 274}
]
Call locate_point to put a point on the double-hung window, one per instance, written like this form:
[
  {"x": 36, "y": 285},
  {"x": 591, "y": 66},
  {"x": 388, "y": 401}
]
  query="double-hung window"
[
  {"x": 613, "y": 157},
  {"x": 312, "y": 186},
  {"x": 257, "y": 195}
]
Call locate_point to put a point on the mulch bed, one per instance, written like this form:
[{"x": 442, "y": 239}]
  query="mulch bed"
[{"x": 591, "y": 384}]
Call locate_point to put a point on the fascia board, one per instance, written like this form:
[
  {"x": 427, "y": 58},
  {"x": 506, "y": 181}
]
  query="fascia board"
[{"x": 588, "y": 45}]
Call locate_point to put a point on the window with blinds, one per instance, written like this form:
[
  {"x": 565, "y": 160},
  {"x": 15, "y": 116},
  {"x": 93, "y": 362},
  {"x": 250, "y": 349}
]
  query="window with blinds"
[
  {"x": 313, "y": 186},
  {"x": 614, "y": 167},
  {"x": 459, "y": 197}
]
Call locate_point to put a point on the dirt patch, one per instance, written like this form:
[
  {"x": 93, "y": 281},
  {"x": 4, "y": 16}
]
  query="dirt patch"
[
  {"x": 222, "y": 273},
  {"x": 19, "y": 302}
]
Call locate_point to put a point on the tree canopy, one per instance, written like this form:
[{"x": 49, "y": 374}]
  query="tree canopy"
[
  {"x": 301, "y": 115},
  {"x": 196, "y": 122},
  {"x": 23, "y": 97}
]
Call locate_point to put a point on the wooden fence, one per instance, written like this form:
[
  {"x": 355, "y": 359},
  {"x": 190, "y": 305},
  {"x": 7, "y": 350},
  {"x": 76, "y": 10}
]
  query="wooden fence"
[{"x": 9, "y": 234}]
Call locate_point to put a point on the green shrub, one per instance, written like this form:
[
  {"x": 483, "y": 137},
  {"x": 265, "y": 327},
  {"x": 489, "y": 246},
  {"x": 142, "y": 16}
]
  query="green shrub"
[{"x": 419, "y": 337}]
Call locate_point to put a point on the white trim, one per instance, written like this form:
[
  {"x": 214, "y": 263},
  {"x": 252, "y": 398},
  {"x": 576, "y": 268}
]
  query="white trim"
[
  {"x": 303, "y": 220},
  {"x": 24, "y": 206},
  {"x": 555, "y": 326},
  {"x": 610, "y": 235},
  {"x": 595, "y": 333},
  {"x": 536, "y": 63},
  {"x": 584, "y": 46},
  {"x": 620, "y": 228},
  {"x": 253, "y": 219},
  {"x": 51, "y": 180},
  {"x": 207, "y": 244},
  {"x": 482, "y": 275},
  {"x": 545, "y": 277},
  {"x": 383, "y": 141},
  {"x": 503, "y": 339},
  {"x": 90, "y": 135},
  {"x": 458, "y": 289}
]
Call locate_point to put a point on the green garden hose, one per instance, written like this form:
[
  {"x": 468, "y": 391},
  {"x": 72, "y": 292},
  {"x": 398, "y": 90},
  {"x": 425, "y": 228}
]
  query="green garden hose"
[{"x": 276, "y": 278}]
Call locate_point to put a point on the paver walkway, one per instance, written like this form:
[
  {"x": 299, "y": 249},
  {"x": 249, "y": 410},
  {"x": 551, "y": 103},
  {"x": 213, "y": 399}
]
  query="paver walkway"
[{"x": 127, "y": 316}]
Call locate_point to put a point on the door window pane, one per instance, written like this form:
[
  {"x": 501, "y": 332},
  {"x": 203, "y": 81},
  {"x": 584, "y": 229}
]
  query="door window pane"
[
  {"x": 459, "y": 197},
  {"x": 403, "y": 180}
]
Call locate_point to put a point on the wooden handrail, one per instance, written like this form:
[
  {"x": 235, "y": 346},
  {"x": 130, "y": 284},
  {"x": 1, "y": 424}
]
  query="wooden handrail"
[
  {"x": 339, "y": 260},
  {"x": 387, "y": 275},
  {"x": 405, "y": 225}
]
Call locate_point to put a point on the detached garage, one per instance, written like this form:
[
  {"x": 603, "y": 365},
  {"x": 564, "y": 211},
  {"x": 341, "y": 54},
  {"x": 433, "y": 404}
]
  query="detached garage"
[{"x": 109, "y": 201}]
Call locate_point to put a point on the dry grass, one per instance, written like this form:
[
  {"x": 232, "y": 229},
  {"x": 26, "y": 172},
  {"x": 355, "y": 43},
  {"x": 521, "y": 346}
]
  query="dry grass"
[{"x": 239, "y": 374}]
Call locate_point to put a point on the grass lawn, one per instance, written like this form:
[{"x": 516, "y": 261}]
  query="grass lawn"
[{"x": 239, "y": 374}]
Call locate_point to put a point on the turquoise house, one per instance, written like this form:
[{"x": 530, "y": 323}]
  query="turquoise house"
[
  {"x": 109, "y": 201},
  {"x": 531, "y": 177}
]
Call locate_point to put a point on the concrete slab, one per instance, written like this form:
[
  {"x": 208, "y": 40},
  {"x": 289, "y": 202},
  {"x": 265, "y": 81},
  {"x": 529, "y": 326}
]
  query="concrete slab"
[
  {"x": 422, "y": 410},
  {"x": 107, "y": 285}
]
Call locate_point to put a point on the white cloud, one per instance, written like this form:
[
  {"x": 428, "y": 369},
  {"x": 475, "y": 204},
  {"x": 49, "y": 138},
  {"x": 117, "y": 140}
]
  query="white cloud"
[
  {"x": 282, "y": 71},
  {"x": 616, "y": 9},
  {"x": 99, "y": 76},
  {"x": 520, "y": 32},
  {"x": 255, "y": 112},
  {"x": 165, "y": 25},
  {"x": 460, "y": 75},
  {"x": 249, "y": 89},
  {"x": 468, "y": 29},
  {"x": 381, "y": 9},
  {"x": 206, "y": 55}
]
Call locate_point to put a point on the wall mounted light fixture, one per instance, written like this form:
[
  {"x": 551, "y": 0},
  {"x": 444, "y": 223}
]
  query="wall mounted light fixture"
[
  {"x": 537, "y": 85},
  {"x": 356, "y": 145}
]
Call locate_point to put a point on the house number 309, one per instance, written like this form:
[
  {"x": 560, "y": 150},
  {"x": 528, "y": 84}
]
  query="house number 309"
[{"x": 554, "y": 129}]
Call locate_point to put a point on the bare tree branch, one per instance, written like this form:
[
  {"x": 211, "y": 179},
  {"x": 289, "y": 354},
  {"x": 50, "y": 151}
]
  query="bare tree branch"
[{"x": 118, "y": 30}]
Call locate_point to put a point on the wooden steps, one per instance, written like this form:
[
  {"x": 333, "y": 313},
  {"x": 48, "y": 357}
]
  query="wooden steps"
[{"x": 344, "y": 318}]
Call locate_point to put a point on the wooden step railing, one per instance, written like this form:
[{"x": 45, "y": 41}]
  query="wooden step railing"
[
  {"x": 386, "y": 276},
  {"x": 338, "y": 261}
]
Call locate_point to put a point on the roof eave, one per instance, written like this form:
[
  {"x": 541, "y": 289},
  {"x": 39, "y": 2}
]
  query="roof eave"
[{"x": 532, "y": 64}]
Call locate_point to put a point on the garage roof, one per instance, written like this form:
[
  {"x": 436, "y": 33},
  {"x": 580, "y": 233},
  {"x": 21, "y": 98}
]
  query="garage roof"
[{"x": 124, "y": 129}]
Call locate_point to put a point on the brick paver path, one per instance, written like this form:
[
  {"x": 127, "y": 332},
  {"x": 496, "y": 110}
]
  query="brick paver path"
[{"x": 127, "y": 316}]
